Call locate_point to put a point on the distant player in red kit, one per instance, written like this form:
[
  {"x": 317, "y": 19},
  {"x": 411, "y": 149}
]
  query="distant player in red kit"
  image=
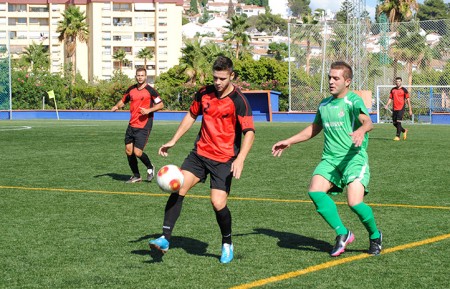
[
  {"x": 226, "y": 116},
  {"x": 398, "y": 96},
  {"x": 144, "y": 101}
]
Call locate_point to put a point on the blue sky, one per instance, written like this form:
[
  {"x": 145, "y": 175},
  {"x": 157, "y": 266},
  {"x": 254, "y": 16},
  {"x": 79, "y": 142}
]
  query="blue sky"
[{"x": 335, "y": 5}]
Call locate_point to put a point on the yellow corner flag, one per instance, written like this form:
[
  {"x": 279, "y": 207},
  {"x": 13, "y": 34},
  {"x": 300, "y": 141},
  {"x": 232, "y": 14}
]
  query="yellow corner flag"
[{"x": 51, "y": 94}]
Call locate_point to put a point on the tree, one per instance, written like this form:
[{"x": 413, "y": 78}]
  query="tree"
[
  {"x": 193, "y": 8},
  {"x": 145, "y": 53},
  {"x": 271, "y": 24},
  {"x": 433, "y": 10},
  {"x": 237, "y": 32},
  {"x": 299, "y": 7},
  {"x": 71, "y": 29},
  {"x": 36, "y": 56},
  {"x": 278, "y": 50},
  {"x": 120, "y": 55},
  {"x": 310, "y": 32},
  {"x": 398, "y": 10},
  {"x": 344, "y": 12},
  {"x": 231, "y": 12}
]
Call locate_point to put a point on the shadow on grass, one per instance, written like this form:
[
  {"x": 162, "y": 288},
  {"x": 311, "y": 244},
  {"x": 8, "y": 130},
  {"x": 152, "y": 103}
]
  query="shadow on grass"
[
  {"x": 191, "y": 246},
  {"x": 299, "y": 242},
  {"x": 114, "y": 176}
]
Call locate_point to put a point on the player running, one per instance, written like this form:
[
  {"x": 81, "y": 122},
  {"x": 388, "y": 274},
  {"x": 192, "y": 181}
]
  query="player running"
[{"x": 345, "y": 121}]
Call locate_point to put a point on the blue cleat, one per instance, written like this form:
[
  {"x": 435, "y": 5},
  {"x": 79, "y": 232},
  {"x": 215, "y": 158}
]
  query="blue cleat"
[
  {"x": 160, "y": 244},
  {"x": 227, "y": 253}
]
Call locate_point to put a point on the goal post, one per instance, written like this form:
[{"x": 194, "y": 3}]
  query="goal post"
[{"x": 425, "y": 100}]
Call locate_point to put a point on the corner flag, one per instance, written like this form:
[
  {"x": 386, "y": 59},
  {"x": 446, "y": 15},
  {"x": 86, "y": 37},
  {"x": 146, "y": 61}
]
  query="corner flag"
[{"x": 51, "y": 94}]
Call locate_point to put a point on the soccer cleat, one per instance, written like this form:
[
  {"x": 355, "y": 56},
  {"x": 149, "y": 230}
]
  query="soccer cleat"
[
  {"x": 150, "y": 174},
  {"x": 341, "y": 242},
  {"x": 405, "y": 134},
  {"x": 160, "y": 244},
  {"x": 396, "y": 138},
  {"x": 375, "y": 245},
  {"x": 227, "y": 253},
  {"x": 134, "y": 179}
]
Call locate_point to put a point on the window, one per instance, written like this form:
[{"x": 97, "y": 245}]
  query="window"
[{"x": 121, "y": 7}]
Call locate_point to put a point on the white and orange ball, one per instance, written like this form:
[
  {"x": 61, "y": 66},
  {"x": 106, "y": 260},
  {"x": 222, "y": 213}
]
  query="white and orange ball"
[{"x": 170, "y": 178}]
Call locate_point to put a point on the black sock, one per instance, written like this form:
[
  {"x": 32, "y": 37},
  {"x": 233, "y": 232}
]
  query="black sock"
[
  {"x": 132, "y": 161},
  {"x": 146, "y": 161},
  {"x": 224, "y": 220},
  {"x": 399, "y": 128},
  {"x": 172, "y": 212}
]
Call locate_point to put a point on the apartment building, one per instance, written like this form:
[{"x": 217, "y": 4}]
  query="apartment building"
[{"x": 130, "y": 25}]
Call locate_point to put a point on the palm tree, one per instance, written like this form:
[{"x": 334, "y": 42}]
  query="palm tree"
[
  {"x": 398, "y": 10},
  {"x": 145, "y": 53},
  {"x": 237, "y": 32},
  {"x": 37, "y": 56},
  {"x": 310, "y": 32},
  {"x": 73, "y": 27},
  {"x": 120, "y": 55}
]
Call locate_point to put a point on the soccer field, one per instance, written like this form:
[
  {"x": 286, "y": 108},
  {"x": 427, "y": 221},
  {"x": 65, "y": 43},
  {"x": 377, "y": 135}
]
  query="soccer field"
[{"x": 69, "y": 220}]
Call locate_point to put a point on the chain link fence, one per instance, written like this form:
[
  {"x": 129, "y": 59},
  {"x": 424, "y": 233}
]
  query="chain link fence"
[
  {"x": 5, "y": 79},
  {"x": 415, "y": 51}
]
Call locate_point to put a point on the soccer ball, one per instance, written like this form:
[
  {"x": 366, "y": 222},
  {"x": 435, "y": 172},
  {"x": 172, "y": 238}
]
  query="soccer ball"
[{"x": 169, "y": 178}]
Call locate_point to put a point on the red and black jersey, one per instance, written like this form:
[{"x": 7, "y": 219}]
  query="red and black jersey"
[
  {"x": 224, "y": 121},
  {"x": 146, "y": 97},
  {"x": 398, "y": 96}
]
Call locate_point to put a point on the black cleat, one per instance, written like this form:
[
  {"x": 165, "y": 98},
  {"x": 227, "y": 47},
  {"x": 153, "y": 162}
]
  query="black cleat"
[{"x": 375, "y": 245}]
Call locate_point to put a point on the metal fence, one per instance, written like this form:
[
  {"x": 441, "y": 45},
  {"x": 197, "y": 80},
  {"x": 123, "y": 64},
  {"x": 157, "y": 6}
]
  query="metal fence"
[
  {"x": 5, "y": 79},
  {"x": 416, "y": 51}
]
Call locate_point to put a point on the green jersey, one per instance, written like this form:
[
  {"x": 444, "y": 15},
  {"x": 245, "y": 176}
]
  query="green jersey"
[{"x": 339, "y": 118}]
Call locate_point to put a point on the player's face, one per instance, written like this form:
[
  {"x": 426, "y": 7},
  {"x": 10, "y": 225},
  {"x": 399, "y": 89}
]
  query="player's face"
[
  {"x": 398, "y": 82},
  {"x": 222, "y": 79},
  {"x": 141, "y": 77},
  {"x": 337, "y": 83}
]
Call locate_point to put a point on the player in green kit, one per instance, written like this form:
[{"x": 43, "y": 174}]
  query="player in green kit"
[{"x": 345, "y": 122}]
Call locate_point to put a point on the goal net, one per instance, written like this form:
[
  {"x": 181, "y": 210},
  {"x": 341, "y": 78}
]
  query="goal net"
[{"x": 425, "y": 100}]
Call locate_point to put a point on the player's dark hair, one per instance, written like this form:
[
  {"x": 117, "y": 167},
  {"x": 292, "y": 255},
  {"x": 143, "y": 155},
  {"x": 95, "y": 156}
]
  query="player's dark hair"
[
  {"x": 398, "y": 78},
  {"x": 141, "y": 69},
  {"x": 223, "y": 63},
  {"x": 348, "y": 71}
]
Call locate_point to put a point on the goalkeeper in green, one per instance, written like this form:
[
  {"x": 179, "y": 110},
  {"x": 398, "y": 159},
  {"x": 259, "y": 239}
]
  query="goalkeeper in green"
[{"x": 345, "y": 121}]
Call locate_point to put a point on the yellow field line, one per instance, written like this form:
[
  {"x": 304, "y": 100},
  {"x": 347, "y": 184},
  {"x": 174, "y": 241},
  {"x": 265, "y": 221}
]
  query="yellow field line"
[
  {"x": 207, "y": 197},
  {"x": 336, "y": 262}
]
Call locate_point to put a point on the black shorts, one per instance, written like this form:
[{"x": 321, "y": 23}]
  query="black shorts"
[
  {"x": 137, "y": 136},
  {"x": 397, "y": 115},
  {"x": 220, "y": 173}
]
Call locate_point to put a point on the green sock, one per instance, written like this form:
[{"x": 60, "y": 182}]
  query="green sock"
[
  {"x": 328, "y": 210},
  {"x": 365, "y": 214}
]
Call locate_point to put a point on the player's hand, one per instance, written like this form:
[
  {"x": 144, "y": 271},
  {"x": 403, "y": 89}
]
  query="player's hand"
[
  {"x": 236, "y": 167},
  {"x": 279, "y": 147},
  {"x": 357, "y": 138},
  {"x": 163, "y": 150},
  {"x": 410, "y": 112},
  {"x": 144, "y": 111},
  {"x": 114, "y": 108}
]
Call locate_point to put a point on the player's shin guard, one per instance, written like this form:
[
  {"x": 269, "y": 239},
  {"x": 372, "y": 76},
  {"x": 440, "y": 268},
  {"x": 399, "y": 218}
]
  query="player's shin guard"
[
  {"x": 132, "y": 162},
  {"x": 328, "y": 210},
  {"x": 172, "y": 212},
  {"x": 223, "y": 218},
  {"x": 399, "y": 128},
  {"x": 366, "y": 216}
]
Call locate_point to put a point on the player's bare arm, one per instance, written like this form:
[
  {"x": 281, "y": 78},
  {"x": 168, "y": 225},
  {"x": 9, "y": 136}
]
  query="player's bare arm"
[
  {"x": 358, "y": 135},
  {"x": 156, "y": 107},
  {"x": 309, "y": 132},
  {"x": 119, "y": 105},
  {"x": 184, "y": 126},
  {"x": 238, "y": 165}
]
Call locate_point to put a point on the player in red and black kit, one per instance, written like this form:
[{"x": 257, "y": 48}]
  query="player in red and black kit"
[
  {"x": 226, "y": 116},
  {"x": 144, "y": 101},
  {"x": 398, "y": 96}
]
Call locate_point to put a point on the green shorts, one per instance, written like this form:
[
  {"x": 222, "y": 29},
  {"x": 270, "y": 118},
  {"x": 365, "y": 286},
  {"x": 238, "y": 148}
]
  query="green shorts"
[{"x": 343, "y": 172}]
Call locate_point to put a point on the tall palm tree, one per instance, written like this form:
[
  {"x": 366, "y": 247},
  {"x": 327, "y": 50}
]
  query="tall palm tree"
[
  {"x": 310, "y": 32},
  {"x": 37, "y": 56},
  {"x": 145, "y": 53},
  {"x": 71, "y": 29},
  {"x": 398, "y": 10},
  {"x": 237, "y": 32},
  {"x": 120, "y": 55}
]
